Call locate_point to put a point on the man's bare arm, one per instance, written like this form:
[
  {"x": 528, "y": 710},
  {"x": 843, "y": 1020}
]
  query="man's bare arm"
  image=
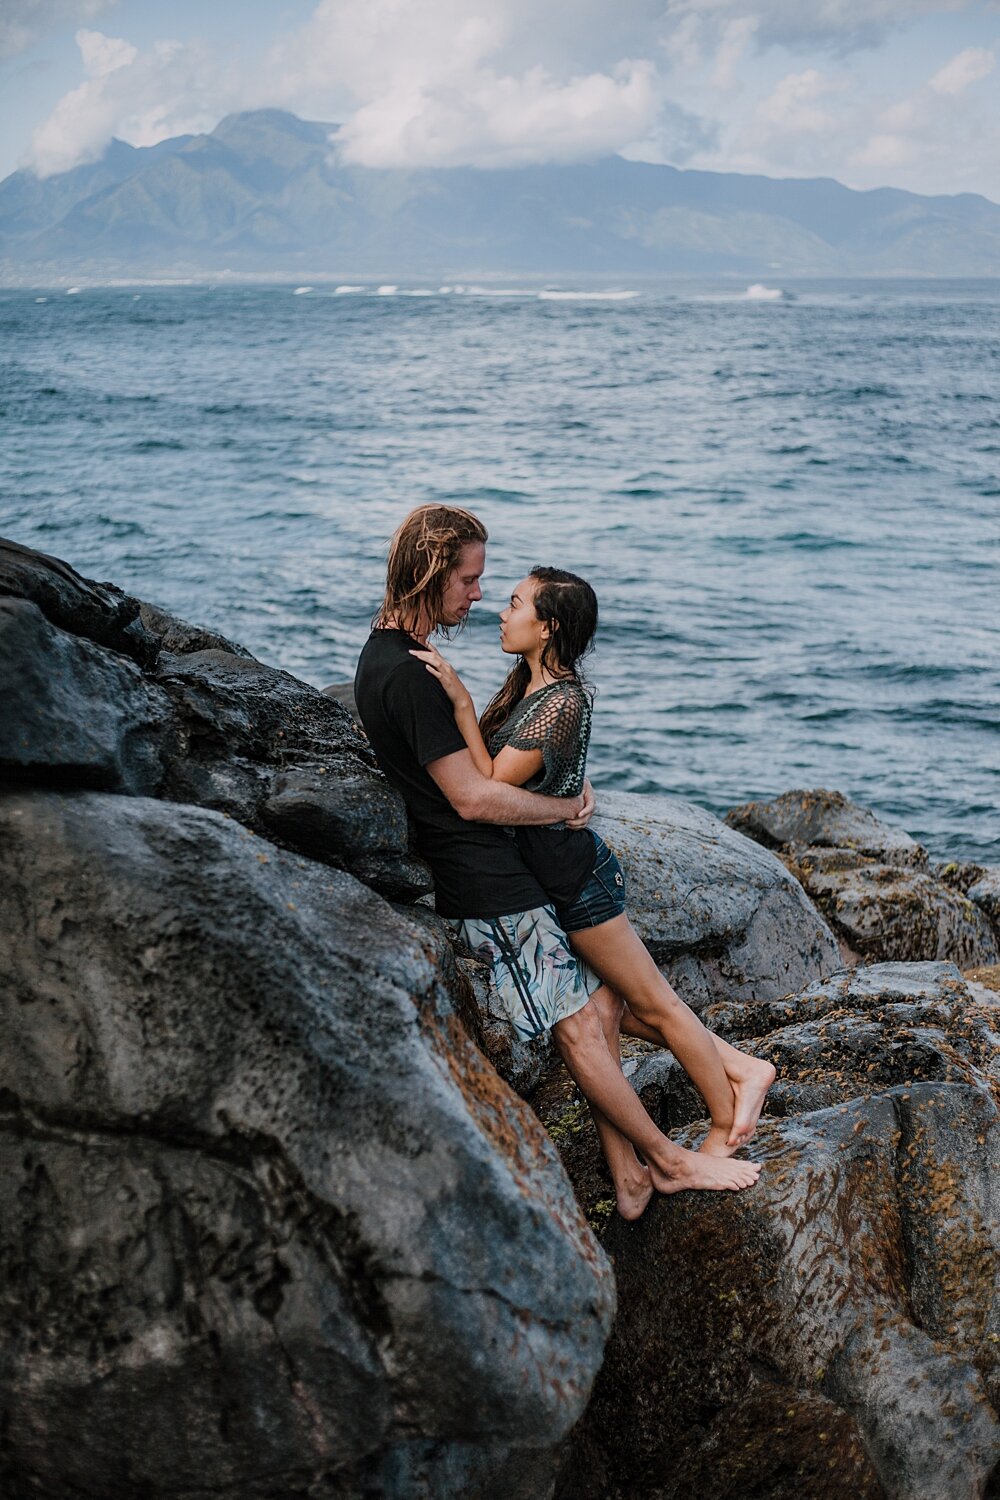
[{"x": 480, "y": 800}]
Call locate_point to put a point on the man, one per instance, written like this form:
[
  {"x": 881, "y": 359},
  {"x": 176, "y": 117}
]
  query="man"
[{"x": 436, "y": 561}]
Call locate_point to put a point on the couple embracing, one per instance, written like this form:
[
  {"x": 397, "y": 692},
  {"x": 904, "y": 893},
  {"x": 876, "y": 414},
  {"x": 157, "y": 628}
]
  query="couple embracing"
[{"x": 501, "y": 809}]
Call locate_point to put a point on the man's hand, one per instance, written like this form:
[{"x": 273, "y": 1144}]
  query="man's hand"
[{"x": 586, "y": 812}]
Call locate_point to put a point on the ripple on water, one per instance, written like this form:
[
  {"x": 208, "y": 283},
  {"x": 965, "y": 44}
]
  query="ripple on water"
[{"x": 842, "y": 633}]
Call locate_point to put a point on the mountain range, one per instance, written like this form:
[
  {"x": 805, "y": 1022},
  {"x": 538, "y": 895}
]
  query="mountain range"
[{"x": 265, "y": 194}]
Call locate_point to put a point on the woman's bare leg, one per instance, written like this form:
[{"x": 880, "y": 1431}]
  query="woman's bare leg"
[
  {"x": 584, "y": 1049},
  {"x": 633, "y": 1186},
  {"x": 732, "y": 1084},
  {"x": 749, "y": 1076}
]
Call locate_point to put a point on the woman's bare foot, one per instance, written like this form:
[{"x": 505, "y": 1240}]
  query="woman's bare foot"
[
  {"x": 633, "y": 1196},
  {"x": 717, "y": 1142},
  {"x": 696, "y": 1170},
  {"x": 750, "y": 1084}
]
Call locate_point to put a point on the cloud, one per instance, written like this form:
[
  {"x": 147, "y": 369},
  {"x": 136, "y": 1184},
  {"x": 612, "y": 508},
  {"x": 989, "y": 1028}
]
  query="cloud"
[
  {"x": 791, "y": 105},
  {"x": 885, "y": 151},
  {"x": 736, "y": 37},
  {"x": 448, "y": 83},
  {"x": 677, "y": 138},
  {"x": 838, "y": 25},
  {"x": 487, "y": 120},
  {"x": 498, "y": 83},
  {"x": 965, "y": 68},
  {"x": 170, "y": 89},
  {"x": 104, "y": 54},
  {"x": 24, "y": 22},
  {"x": 928, "y": 132},
  {"x": 417, "y": 83}
]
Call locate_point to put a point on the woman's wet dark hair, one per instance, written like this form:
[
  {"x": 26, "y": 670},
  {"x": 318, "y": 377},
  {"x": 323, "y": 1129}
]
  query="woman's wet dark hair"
[{"x": 569, "y": 605}]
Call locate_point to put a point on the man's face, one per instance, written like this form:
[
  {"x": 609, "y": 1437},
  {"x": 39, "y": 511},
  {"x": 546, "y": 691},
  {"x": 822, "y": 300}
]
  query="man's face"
[{"x": 462, "y": 590}]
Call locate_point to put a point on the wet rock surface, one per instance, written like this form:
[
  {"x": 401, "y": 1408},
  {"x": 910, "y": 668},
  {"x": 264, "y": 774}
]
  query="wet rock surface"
[
  {"x": 824, "y": 820},
  {"x": 177, "y": 635},
  {"x": 100, "y": 612},
  {"x": 270, "y": 1225},
  {"x": 110, "y": 692},
  {"x": 985, "y": 893},
  {"x": 873, "y": 883},
  {"x": 835, "y": 1331},
  {"x": 74, "y": 712},
  {"x": 889, "y": 911}
]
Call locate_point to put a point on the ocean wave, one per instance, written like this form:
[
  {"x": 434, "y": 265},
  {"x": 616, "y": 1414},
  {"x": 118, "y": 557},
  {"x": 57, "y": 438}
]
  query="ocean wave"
[
  {"x": 609, "y": 296},
  {"x": 497, "y": 291},
  {"x": 817, "y": 541},
  {"x": 859, "y": 593}
]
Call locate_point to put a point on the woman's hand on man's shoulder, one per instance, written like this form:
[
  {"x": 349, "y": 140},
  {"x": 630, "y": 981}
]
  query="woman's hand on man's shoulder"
[{"x": 445, "y": 673}]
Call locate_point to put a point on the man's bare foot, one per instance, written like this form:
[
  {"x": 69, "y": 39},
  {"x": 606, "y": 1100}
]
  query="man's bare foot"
[
  {"x": 633, "y": 1196},
  {"x": 696, "y": 1170},
  {"x": 750, "y": 1085}
]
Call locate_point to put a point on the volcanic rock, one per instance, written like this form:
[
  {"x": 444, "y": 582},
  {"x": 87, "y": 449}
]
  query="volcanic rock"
[
  {"x": 269, "y": 1224},
  {"x": 834, "y": 1332},
  {"x": 721, "y": 916},
  {"x": 824, "y": 820},
  {"x": 871, "y": 882},
  {"x": 74, "y": 712},
  {"x": 105, "y": 691},
  {"x": 98, "y": 611},
  {"x": 178, "y": 636},
  {"x": 986, "y": 895}
]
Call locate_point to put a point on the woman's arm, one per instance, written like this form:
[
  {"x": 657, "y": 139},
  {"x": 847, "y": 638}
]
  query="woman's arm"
[{"x": 514, "y": 767}]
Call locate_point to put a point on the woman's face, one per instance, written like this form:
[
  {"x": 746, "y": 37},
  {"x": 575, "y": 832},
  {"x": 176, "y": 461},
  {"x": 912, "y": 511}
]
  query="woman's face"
[{"x": 521, "y": 631}]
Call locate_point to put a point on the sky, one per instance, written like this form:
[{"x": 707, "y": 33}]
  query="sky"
[{"x": 871, "y": 92}]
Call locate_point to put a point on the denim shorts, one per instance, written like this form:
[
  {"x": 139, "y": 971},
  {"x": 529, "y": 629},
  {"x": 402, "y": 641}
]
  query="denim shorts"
[{"x": 602, "y": 898}]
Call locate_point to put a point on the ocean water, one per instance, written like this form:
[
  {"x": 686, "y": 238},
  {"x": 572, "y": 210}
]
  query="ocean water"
[{"x": 789, "y": 506}]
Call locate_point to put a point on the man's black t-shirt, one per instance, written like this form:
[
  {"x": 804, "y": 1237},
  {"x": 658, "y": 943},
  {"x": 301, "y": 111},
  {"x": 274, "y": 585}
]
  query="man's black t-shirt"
[{"x": 410, "y": 722}]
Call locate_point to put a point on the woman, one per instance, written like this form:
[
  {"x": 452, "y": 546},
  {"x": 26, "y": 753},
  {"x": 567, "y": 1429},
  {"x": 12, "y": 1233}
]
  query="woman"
[{"x": 535, "y": 733}]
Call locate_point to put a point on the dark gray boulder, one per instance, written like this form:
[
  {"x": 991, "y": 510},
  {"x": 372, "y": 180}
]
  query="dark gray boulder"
[
  {"x": 236, "y": 705},
  {"x": 74, "y": 712},
  {"x": 721, "y": 916},
  {"x": 985, "y": 893},
  {"x": 343, "y": 692},
  {"x": 108, "y": 692},
  {"x": 835, "y": 1331},
  {"x": 98, "y": 611},
  {"x": 890, "y": 911},
  {"x": 867, "y": 1030},
  {"x": 830, "y": 1333},
  {"x": 269, "y": 1224},
  {"x": 280, "y": 756},
  {"x": 824, "y": 820},
  {"x": 343, "y": 805},
  {"x": 872, "y": 883},
  {"x": 179, "y": 636}
]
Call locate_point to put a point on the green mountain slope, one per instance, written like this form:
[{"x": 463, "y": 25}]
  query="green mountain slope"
[{"x": 265, "y": 193}]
